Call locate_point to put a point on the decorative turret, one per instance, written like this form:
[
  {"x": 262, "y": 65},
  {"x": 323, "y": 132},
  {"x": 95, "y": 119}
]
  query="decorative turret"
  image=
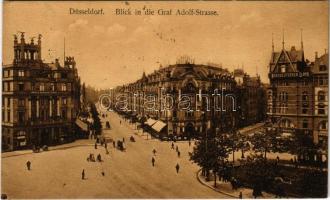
[
  {"x": 70, "y": 62},
  {"x": 27, "y": 52}
]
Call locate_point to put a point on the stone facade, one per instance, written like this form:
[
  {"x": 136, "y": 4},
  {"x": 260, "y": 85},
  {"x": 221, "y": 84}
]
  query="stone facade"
[
  {"x": 40, "y": 101},
  {"x": 298, "y": 92}
]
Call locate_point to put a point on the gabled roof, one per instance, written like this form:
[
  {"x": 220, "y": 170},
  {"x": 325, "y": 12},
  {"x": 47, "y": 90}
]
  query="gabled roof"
[{"x": 292, "y": 56}]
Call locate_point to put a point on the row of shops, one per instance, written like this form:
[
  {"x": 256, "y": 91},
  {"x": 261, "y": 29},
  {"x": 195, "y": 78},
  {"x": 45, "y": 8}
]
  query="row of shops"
[{"x": 156, "y": 128}]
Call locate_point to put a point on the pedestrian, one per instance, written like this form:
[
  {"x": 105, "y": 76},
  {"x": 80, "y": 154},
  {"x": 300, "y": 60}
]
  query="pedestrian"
[
  {"x": 177, "y": 167},
  {"x": 99, "y": 158},
  {"x": 177, "y": 149},
  {"x": 103, "y": 174},
  {"x": 114, "y": 144},
  {"x": 172, "y": 145},
  {"x": 83, "y": 174},
  {"x": 278, "y": 159},
  {"x": 189, "y": 143},
  {"x": 95, "y": 146},
  {"x": 123, "y": 139},
  {"x": 179, "y": 154},
  {"x": 153, "y": 161},
  {"x": 154, "y": 152},
  {"x": 240, "y": 195},
  {"x": 120, "y": 122},
  {"x": 28, "y": 165}
]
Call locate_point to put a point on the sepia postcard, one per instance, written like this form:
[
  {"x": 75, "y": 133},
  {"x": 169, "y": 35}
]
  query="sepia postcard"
[{"x": 164, "y": 99}]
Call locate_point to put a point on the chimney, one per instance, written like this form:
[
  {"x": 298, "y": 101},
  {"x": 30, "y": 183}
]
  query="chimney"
[{"x": 316, "y": 56}]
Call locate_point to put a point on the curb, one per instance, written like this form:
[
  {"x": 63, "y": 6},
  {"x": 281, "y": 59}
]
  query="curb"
[
  {"x": 215, "y": 189},
  {"x": 59, "y": 148}
]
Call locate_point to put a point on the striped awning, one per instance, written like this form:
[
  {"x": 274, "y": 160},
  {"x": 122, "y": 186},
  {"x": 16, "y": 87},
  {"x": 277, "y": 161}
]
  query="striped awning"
[
  {"x": 82, "y": 125},
  {"x": 150, "y": 122},
  {"x": 158, "y": 126}
]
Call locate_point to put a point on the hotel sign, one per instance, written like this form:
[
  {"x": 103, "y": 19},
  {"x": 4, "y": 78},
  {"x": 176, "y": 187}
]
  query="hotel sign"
[{"x": 290, "y": 75}]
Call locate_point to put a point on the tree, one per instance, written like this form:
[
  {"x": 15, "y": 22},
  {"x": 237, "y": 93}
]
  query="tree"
[
  {"x": 266, "y": 141},
  {"x": 260, "y": 174},
  {"x": 302, "y": 145},
  {"x": 211, "y": 154},
  {"x": 97, "y": 126},
  {"x": 237, "y": 142}
]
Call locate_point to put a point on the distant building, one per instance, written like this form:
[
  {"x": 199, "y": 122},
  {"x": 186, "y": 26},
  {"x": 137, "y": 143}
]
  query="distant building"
[
  {"x": 181, "y": 80},
  {"x": 298, "y": 92},
  {"x": 251, "y": 96},
  {"x": 40, "y": 101}
]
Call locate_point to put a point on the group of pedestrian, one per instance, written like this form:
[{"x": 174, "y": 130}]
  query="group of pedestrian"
[{"x": 153, "y": 160}]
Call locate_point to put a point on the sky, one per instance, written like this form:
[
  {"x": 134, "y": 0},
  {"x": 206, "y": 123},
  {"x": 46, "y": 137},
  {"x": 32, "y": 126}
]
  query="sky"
[{"x": 112, "y": 50}]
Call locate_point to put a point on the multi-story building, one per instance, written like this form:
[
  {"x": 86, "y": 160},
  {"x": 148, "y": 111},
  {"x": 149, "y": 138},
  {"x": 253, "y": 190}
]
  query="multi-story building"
[
  {"x": 251, "y": 95},
  {"x": 298, "y": 92},
  {"x": 40, "y": 101},
  {"x": 190, "y": 85}
]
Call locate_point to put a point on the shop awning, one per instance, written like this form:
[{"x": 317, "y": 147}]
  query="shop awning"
[
  {"x": 158, "y": 126},
  {"x": 82, "y": 125},
  {"x": 150, "y": 122}
]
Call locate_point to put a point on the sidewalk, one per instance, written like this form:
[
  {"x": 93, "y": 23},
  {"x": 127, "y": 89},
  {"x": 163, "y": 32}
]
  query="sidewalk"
[
  {"x": 77, "y": 143},
  {"x": 226, "y": 188}
]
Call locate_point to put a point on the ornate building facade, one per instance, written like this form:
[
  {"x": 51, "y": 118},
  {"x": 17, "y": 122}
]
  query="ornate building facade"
[
  {"x": 171, "y": 89},
  {"x": 298, "y": 92},
  {"x": 40, "y": 101}
]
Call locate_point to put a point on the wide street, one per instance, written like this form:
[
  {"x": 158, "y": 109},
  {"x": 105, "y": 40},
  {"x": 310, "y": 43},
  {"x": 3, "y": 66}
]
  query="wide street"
[{"x": 129, "y": 174}]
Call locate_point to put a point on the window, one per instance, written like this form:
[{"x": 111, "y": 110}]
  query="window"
[
  {"x": 322, "y": 68},
  {"x": 304, "y": 110},
  {"x": 20, "y": 86},
  {"x": 8, "y": 86},
  {"x": 21, "y": 73},
  {"x": 20, "y": 117},
  {"x": 42, "y": 87},
  {"x": 64, "y": 101},
  {"x": 8, "y": 116},
  {"x": 21, "y": 102},
  {"x": 323, "y": 125},
  {"x": 64, "y": 114},
  {"x": 5, "y": 73},
  {"x": 52, "y": 87},
  {"x": 305, "y": 123},
  {"x": 321, "y": 96},
  {"x": 8, "y": 103},
  {"x": 321, "y": 109},
  {"x": 63, "y": 87},
  {"x": 283, "y": 68},
  {"x": 304, "y": 96},
  {"x": 321, "y": 81}
]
